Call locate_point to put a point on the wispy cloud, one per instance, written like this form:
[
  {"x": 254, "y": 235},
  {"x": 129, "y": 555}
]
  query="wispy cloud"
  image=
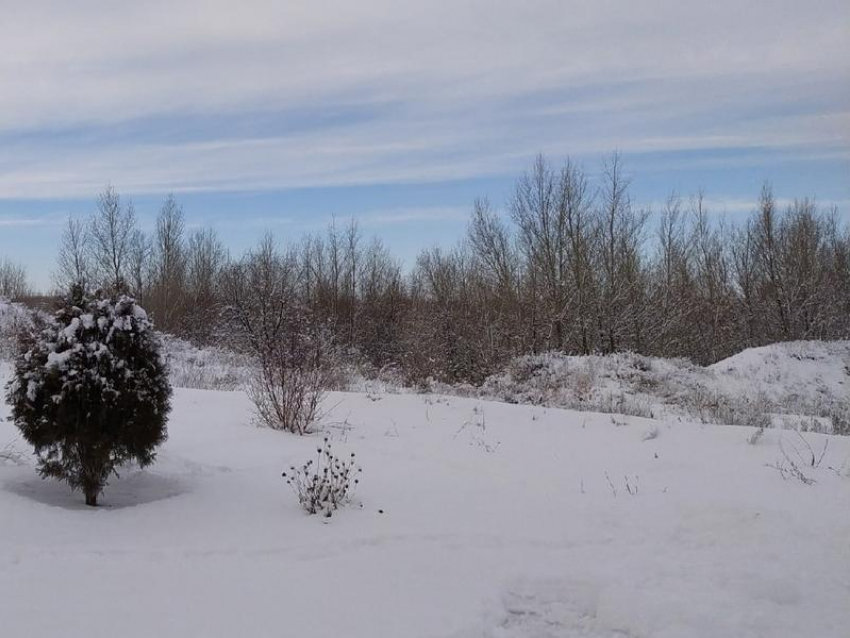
[
  {"x": 271, "y": 95},
  {"x": 738, "y": 206},
  {"x": 7, "y": 221},
  {"x": 413, "y": 215}
]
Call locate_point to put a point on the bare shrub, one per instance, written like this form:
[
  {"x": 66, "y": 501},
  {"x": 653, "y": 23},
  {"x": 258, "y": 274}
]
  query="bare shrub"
[
  {"x": 713, "y": 407},
  {"x": 840, "y": 418},
  {"x": 325, "y": 483},
  {"x": 268, "y": 321},
  {"x": 631, "y": 485},
  {"x": 804, "y": 456},
  {"x": 650, "y": 434},
  {"x": 209, "y": 368},
  {"x": 13, "y": 280},
  {"x": 287, "y": 389},
  {"x": 755, "y": 437},
  {"x": 15, "y": 320},
  {"x": 10, "y": 454},
  {"x": 788, "y": 468},
  {"x": 807, "y": 454},
  {"x": 621, "y": 403}
]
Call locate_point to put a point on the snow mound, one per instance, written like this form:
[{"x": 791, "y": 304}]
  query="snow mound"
[
  {"x": 624, "y": 383},
  {"x": 801, "y": 384},
  {"x": 804, "y": 372}
]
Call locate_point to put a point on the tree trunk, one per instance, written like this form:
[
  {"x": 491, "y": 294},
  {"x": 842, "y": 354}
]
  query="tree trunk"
[{"x": 91, "y": 498}]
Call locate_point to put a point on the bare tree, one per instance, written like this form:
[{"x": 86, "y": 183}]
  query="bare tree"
[
  {"x": 169, "y": 267},
  {"x": 73, "y": 265},
  {"x": 541, "y": 224},
  {"x": 110, "y": 240},
  {"x": 620, "y": 236},
  {"x": 205, "y": 261},
  {"x": 13, "y": 281},
  {"x": 139, "y": 265}
]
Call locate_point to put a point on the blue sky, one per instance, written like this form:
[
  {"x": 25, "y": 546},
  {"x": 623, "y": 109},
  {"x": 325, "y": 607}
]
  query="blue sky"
[{"x": 280, "y": 115}]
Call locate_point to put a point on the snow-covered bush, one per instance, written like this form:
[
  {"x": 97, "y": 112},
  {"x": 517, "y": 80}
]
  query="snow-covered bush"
[
  {"x": 716, "y": 406},
  {"x": 14, "y": 320},
  {"x": 618, "y": 384},
  {"x": 90, "y": 391},
  {"x": 208, "y": 368},
  {"x": 325, "y": 483}
]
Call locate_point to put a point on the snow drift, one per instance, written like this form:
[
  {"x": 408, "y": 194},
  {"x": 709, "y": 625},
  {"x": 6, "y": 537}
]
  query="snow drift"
[{"x": 801, "y": 384}]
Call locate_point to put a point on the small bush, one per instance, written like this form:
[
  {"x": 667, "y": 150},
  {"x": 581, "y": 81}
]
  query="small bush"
[
  {"x": 15, "y": 322},
  {"x": 755, "y": 437},
  {"x": 650, "y": 434},
  {"x": 287, "y": 394},
  {"x": 90, "y": 391},
  {"x": 207, "y": 368},
  {"x": 325, "y": 483},
  {"x": 289, "y": 345}
]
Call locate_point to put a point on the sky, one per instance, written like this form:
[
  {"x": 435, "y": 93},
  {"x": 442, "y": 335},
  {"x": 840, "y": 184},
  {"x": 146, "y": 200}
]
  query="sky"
[{"x": 282, "y": 115}]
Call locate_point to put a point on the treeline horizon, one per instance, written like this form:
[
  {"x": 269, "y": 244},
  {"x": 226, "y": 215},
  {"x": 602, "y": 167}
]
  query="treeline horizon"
[{"x": 572, "y": 266}]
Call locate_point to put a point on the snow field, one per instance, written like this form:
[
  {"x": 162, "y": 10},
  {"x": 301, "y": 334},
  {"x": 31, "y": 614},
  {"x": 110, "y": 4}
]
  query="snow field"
[{"x": 498, "y": 521}]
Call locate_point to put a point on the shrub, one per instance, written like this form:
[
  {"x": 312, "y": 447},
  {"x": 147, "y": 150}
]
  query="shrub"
[
  {"x": 755, "y": 437},
  {"x": 840, "y": 417},
  {"x": 289, "y": 346},
  {"x": 288, "y": 385},
  {"x": 15, "y": 320},
  {"x": 325, "y": 483},
  {"x": 90, "y": 391},
  {"x": 207, "y": 368}
]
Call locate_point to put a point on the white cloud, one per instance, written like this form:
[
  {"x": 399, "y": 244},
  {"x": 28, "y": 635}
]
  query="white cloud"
[
  {"x": 18, "y": 221},
  {"x": 742, "y": 206},
  {"x": 413, "y": 215},
  {"x": 455, "y": 88}
]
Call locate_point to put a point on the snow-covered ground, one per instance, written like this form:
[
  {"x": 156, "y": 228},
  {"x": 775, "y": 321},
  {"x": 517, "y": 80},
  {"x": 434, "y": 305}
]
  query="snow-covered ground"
[{"x": 473, "y": 519}]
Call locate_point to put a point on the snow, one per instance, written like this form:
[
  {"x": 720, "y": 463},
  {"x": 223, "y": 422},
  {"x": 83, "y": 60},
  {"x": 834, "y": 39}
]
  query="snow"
[
  {"x": 499, "y": 521},
  {"x": 204, "y": 368},
  {"x": 70, "y": 331},
  {"x": 783, "y": 371},
  {"x": 794, "y": 384},
  {"x": 60, "y": 359}
]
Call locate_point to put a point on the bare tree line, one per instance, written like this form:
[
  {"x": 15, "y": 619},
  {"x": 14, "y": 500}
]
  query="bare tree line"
[
  {"x": 175, "y": 273},
  {"x": 572, "y": 266},
  {"x": 13, "y": 280}
]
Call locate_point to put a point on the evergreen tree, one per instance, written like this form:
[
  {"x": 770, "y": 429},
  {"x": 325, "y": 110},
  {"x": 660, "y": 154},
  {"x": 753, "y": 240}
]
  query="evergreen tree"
[{"x": 90, "y": 391}]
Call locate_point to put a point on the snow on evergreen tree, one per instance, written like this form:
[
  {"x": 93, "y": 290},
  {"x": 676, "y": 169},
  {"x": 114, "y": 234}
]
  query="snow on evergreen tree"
[{"x": 90, "y": 391}]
